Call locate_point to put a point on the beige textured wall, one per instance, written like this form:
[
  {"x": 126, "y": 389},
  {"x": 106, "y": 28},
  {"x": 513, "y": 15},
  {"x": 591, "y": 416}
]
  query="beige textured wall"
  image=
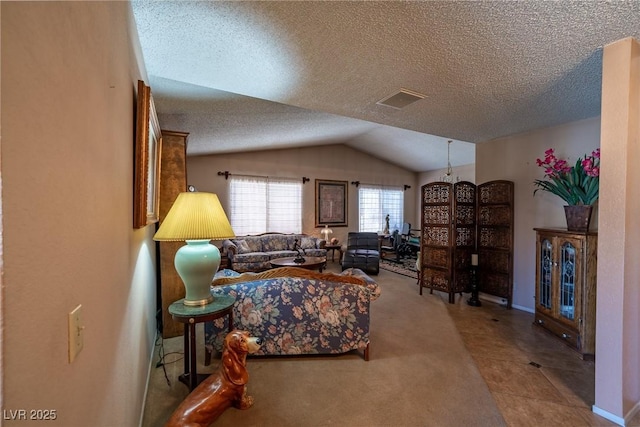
[
  {"x": 68, "y": 87},
  {"x": 336, "y": 162},
  {"x": 618, "y": 296},
  {"x": 514, "y": 158}
]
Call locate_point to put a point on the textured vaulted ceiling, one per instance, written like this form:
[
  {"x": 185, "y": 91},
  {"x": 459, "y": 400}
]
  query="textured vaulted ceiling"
[{"x": 268, "y": 74}]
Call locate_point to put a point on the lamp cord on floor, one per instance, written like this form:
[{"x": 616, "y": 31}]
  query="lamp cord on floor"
[{"x": 161, "y": 356}]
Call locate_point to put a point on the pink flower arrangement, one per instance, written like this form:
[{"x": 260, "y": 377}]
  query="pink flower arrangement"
[{"x": 576, "y": 185}]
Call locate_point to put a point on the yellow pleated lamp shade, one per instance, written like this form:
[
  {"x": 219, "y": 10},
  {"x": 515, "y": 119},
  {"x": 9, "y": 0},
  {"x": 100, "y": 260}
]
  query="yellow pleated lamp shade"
[{"x": 195, "y": 216}]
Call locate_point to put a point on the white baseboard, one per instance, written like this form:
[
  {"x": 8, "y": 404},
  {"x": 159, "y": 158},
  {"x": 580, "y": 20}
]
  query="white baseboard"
[
  {"x": 523, "y": 308},
  {"x": 608, "y": 415},
  {"x": 616, "y": 419},
  {"x": 632, "y": 413},
  {"x": 492, "y": 298},
  {"x": 149, "y": 372},
  {"x": 502, "y": 301}
]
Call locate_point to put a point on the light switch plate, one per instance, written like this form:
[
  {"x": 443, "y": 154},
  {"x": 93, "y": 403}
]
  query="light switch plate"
[{"x": 76, "y": 332}]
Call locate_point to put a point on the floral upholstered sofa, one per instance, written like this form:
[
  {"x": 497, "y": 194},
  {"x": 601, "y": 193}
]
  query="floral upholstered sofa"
[
  {"x": 296, "y": 311},
  {"x": 253, "y": 253}
]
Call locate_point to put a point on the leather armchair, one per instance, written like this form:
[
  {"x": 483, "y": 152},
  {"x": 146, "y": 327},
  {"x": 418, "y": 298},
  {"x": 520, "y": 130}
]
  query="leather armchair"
[{"x": 362, "y": 252}]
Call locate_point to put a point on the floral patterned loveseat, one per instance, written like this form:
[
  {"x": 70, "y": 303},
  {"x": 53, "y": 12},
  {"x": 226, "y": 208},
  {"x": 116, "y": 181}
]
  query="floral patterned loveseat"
[
  {"x": 253, "y": 253},
  {"x": 296, "y": 311}
]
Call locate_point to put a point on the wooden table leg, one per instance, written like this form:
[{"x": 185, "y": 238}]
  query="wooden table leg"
[
  {"x": 231, "y": 320},
  {"x": 185, "y": 346},
  {"x": 190, "y": 316},
  {"x": 193, "y": 372}
]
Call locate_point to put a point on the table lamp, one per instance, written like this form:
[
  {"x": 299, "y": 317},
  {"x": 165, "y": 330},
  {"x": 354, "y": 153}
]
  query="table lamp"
[
  {"x": 325, "y": 232},
  {"x": 196, "y": 218}
]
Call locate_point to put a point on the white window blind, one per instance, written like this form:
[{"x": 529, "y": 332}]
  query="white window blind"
[
  {"x": 375, "y": 203},
  {"x": 263, "y": 204}
]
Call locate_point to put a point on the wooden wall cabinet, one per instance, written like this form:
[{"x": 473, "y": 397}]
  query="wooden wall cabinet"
[
  {"x": 566, "y": 287},
  {"x": 173, "y": 178}
]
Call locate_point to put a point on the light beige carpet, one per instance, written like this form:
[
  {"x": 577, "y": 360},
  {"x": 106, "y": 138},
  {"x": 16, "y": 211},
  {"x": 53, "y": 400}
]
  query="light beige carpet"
[{"x": 420, "y": 374}]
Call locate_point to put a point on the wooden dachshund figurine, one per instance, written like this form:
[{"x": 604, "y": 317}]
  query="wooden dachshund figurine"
[{"x": 222, "y": 389}]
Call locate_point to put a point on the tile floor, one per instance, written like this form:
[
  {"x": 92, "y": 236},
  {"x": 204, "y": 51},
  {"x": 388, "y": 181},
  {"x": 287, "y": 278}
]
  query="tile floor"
[{"x": 535, "y": 379}]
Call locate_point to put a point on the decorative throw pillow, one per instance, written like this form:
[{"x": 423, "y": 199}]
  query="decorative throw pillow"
[
  {"x": 243, "y": 247},
  {"x": 307, "y": 243},
  {"x": 254, "y": 243}
]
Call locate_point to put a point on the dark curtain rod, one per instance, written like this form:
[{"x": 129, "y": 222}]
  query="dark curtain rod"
[
  {"x": 227, "y": 174},
  {"x": 358, "y": 183}
]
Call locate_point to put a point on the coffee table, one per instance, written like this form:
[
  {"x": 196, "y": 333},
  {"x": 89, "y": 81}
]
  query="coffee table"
[{"x": 310, "y": 263}]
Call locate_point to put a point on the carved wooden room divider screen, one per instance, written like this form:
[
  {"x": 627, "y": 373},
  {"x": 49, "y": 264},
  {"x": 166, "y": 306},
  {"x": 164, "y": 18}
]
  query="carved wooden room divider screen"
[
  {"x": 495, "y": 239},
  {"x": 457, "y": 222},
  {"x": 435, "y": 238}
]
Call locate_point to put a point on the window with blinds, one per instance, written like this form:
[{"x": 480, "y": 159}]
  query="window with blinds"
[
  {"x": 264, "y": 204},
  {"x": 375, "y": 203}
]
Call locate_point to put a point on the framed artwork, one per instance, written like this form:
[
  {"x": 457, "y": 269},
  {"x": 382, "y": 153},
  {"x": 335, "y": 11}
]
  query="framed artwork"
[
  {"x": 331, "y": 203},
  {"x": 148, "y": 147}
]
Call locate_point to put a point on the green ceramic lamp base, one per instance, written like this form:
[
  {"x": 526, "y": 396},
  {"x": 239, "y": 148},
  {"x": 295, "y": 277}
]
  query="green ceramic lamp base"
[{"x": 196, "y": 263}]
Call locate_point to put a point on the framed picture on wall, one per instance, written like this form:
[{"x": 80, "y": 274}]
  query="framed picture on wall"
[
  {"x": 331, "y": 203},
  {"x": 148, "y": 147}
]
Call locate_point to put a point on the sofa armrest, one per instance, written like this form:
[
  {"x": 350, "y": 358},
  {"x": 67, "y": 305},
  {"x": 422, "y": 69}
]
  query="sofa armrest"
[
  {"x": 321, "y": 243},
  {"x": 230, "y": 248},
  {"x": 370, "y": 284}
]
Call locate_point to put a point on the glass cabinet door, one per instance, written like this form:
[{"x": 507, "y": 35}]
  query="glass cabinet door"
[
  {"x": 567, "y": 281},
  {"x": 565, "y": 286},
  {"x": 546, "y": 266}
]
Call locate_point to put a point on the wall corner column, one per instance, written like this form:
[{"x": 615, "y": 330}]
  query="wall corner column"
[{"x": 617, "y": 394}]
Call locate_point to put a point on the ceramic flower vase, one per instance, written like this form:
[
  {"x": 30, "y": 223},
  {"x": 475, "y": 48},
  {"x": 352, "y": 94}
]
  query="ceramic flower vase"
[{"x": 578, "y": 217}]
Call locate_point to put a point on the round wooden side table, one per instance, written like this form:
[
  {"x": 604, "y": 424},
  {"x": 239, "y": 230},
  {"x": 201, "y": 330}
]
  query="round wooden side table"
[
  {"x": 333, "y": 249},
  {"x": 191, "y": 315}
]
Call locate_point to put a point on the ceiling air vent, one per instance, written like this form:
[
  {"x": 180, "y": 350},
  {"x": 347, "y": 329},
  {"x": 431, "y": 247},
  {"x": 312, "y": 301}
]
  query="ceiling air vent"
[{"x": 401, "y": 99}]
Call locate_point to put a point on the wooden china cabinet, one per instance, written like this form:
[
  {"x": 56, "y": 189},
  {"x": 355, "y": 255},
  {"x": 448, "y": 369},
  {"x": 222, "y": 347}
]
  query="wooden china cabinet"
[{"x": 566, "y": 287}]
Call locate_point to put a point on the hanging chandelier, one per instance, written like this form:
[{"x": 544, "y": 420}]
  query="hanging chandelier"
[{"x": 448, "y": 177}]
